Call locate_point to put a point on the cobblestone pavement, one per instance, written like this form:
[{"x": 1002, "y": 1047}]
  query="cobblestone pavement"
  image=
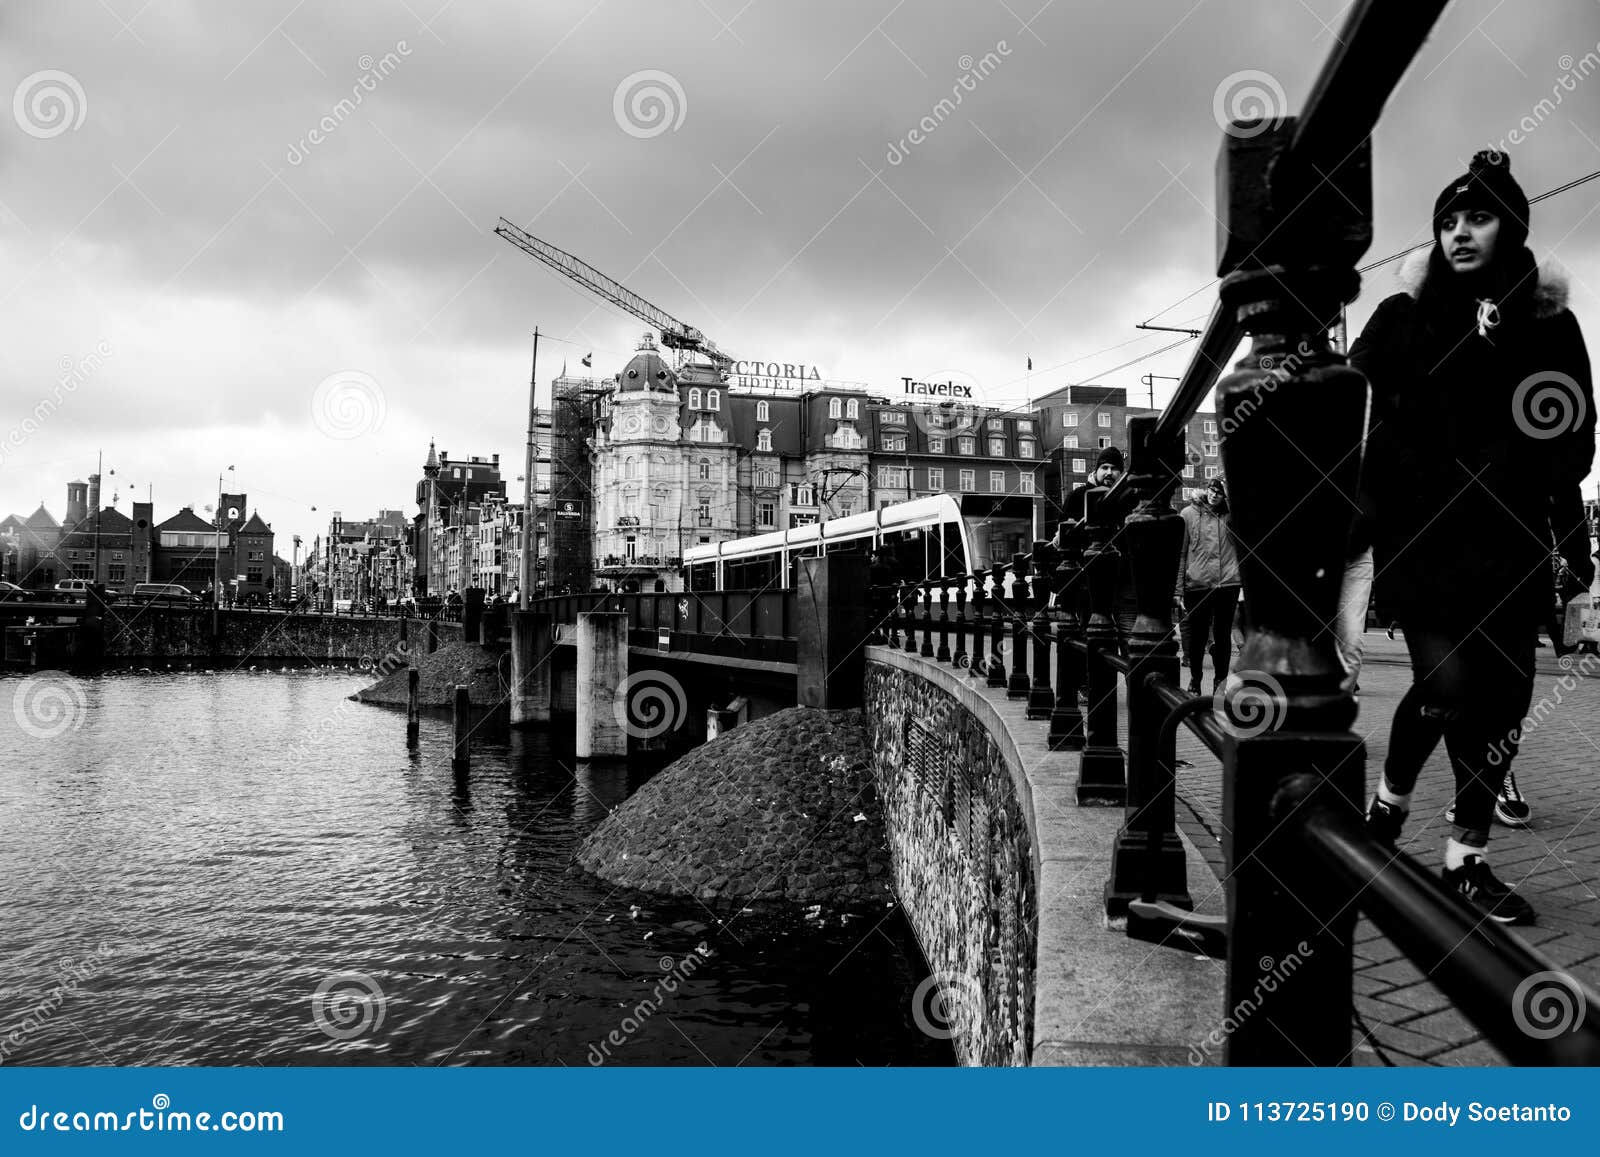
[{"x": 1555, "y": 862}]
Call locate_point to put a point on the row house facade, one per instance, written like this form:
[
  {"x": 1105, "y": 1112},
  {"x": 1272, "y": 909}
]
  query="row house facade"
[{"x": 450, "y": 499}]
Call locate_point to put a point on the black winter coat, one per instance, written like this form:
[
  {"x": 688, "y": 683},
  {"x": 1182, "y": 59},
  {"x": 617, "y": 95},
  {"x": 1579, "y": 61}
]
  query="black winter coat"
[{"x": 1468, "y": 476}]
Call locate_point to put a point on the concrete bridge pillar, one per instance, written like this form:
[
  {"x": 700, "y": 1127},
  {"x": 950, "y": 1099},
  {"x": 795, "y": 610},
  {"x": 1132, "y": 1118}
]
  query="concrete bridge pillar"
[
  {"x": 831, "y": 609},
  {"x": 532, "y": 664},
  {"x": 602, "y": 667}
]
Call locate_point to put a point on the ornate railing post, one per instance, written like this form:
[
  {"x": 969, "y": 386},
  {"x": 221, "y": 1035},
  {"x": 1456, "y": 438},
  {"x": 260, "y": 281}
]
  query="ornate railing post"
[
  {"x": 1292, "y": 418},
  {"x": 1017, "y": 685},
  {"x": 896, "y": 606},
  {"x": 927, "y": 619},
  {"x": 1040, "y": 699},
  {"x": 943, "y": 653},
  {"x": 996, "y": 671},
  {"x": 960, "y": 656},
  {"x": 911, "y": 618},
  {"x": 1101, "y": 771},
  {"x": 1066, "y": 720},
  {"x": 1147, "y": 858},
  {"x": 980, "y": 629}
]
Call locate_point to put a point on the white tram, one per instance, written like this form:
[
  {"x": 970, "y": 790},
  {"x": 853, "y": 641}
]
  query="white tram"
[{"x": 941, "y": 535}]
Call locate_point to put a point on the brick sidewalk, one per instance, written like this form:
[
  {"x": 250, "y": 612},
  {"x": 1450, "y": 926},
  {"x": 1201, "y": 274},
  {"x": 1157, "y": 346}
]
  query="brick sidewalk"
[{"x": 1555, "y": 862}]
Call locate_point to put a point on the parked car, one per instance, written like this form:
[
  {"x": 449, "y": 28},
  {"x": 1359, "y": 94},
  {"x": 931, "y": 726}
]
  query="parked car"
[
  {"x": 77, "y": 590},
  {"x": 164, "y": 592},
  {"x": 13, "y": 593}
]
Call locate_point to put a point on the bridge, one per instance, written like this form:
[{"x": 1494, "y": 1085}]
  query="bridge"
[{"x": 987, "y": 765}]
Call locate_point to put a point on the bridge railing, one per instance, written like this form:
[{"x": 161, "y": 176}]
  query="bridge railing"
[
  {"x": 1294, "y": 218},
  {"x": 755, "y": 624}
]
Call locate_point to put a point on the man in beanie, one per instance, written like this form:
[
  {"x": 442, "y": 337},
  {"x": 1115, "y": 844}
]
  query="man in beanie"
[
  {"x": 1482, "y": 430},
  {"x": 1108, "y": 467}
]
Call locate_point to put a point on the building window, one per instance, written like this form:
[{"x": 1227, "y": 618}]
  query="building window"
[
  {"x": 936, "y": 445},
  {"x": 892, "y": 417},
  {"x": 1025, "y": 484},
  {"x": 997, "y": 447},
  {"x": 852, "y": 409},
  {"x": 630, "y": 547},
  {"x": 763, "y": 411},
  {"x": 845, "y": 438},
  {"x": 1188, "y": 471},
  {"x": 1024, "y": 425},
  {"x": 803, "y": 494},
  {"x": 117, "y": 574},
  {"x": 630, "y": 468},
  {"x": 1069, "y": 419},
  {"x": 1211, "y": 471},
  {"x": 891, "y": 477},
  {"x": 968, "y": 445},
  {"x": 1102, "y": 419},
  {"x": 835, "y": 407},
  {"x": 713, "y": 399},
  {"x": 694, "y": 399},
  {"x": 997, "y": 480},
  {"x": 844, "y": 509},
  {"x": 703, "y": 513},
  {"x": 1025, "y": 448},
  {"x": 1079, "y": 465},
  {"x": 997, "y": 425},
  {"x": 894, "y": 442},
  {"x": 1210, "y": 426},
  {"x": 764, "y": 440},
  {"x": 969, "y": 480},
  {"x": 767, "y": 478},
  {"x": 767, "y": 514},
  {"x": 936, "y": 478},
  {"x": 1104, "y": 441},
  {"x": 705, "y": 468},
  {"x": 1071, "y": 442},
  {"x": 1210, "y": 449}
]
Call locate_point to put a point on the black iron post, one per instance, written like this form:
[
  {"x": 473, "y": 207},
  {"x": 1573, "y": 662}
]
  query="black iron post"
[
  {"x": 1066, "y": 719},
  {"x": 1101, "y": 771},
  {"x": 996, "y": 672},
  {"x": 1040, "y": 699}
]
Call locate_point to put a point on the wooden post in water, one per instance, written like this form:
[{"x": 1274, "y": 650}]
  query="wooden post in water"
[
  {"x": 413, "y": 718},
  {"x": 463, "y": 720}
]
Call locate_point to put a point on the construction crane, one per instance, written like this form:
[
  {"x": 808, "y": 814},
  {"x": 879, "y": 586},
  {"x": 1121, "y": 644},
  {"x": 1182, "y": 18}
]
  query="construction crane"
[{"x": 674, "y": 333}]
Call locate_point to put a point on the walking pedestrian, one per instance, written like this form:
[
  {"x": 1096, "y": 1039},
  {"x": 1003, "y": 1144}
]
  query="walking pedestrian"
[
  {"x": 1208, "y": 583},
  {"x": 1355, "y": 595},
  {"x": 1482, "y": 430}
]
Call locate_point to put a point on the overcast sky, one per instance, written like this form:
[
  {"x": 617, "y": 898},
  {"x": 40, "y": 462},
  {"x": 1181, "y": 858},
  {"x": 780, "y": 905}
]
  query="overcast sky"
[{"x": 173, "y": 231}]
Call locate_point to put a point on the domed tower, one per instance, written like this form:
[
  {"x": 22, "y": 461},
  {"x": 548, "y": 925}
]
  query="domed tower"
[{"x": 638, "y": 473}]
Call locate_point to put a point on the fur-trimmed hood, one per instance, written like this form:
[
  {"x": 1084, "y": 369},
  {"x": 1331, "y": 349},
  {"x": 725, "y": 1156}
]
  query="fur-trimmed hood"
[{"x": 1549, "y": 298}]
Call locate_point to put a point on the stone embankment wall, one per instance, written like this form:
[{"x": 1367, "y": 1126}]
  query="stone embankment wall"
[
  {"x": 158, "y": 636},
  {"x": 780, "y": 811},
  {"x": 963, "y": 861},
  {"x": 481, "y": 670}
]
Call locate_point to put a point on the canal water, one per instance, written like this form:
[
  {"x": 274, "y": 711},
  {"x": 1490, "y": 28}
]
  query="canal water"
[{"x": 246, "y": 868}]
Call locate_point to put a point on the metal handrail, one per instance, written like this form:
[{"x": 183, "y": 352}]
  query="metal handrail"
[{"x": 1483, "y": 968}]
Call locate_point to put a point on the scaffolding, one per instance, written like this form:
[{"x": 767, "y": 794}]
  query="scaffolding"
[{"x": 575, "y": 412}]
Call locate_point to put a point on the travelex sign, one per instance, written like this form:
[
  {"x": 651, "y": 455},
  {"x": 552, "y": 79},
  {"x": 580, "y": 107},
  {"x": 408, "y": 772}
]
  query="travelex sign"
[
  {"x": 946, "y": 389},
  {"x": 772, "y": 376}
]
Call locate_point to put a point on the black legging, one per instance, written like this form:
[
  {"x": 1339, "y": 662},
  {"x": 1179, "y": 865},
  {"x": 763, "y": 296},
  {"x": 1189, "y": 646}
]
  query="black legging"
[
  {"x": 1473, "y": 690},
  {"x": 1209, "y": 611}
]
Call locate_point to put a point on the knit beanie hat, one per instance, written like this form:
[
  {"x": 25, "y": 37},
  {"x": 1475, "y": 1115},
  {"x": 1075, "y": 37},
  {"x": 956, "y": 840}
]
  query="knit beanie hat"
[
  {"x": 1488, "y": 184},
  {"x": 1109, "y": 456}
]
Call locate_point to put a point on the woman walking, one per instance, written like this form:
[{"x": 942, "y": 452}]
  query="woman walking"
[
  {"x": 1209, "y": 584},
  {"x": 1482, "y": 429}
]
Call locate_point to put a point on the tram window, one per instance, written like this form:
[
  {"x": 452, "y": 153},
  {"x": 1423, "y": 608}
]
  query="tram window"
[
  {"x": 955, "y": 555},
  {"x": 753, "y": 573},
  {"x": 703, "y": 576}
]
